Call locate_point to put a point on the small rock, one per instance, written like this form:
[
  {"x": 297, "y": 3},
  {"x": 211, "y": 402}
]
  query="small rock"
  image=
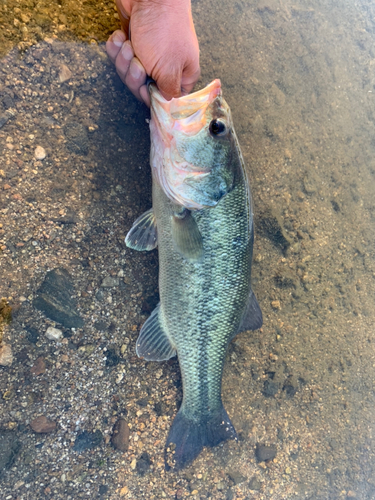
[
  {"x": 87, "y": 440},
  {"x": 6, "y": 355},
  {"x": 42, "y": 425},
  {"x": 32, "y": 334},
  {"x": 264, "y": 452},
  {"x": 275, "y": 304},
  {"x": 65, "y": 74},
  {"x": 77, "y": 137},
  {"x": 53, "y": 333},
  {"x": 54, "y": 299},
  {"x": 270, "y": 388},
  {"x": 103, "y": 488},
  {"x": 255, "y": 484},
  {"x": 109, "y": 281},
  {"x": 291, "y": 386},
  {"x": 236, "y": 476},
  {"x": 120, "y": 436},
  {"x": 310, "y": 182},
  {"x": 39, "y": 366},
  {"x": 40, "y": 153},
  {"x": 9, "y": 449},
  {"x": 143, "y": 464},
  {"x": 113, "y": 358}
]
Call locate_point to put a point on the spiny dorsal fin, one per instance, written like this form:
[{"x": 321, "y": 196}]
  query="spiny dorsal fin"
[
  {"x": 143, "y": 234},
  {"x": 186, "y": 235},
  {"x": 153, "y": 343}
]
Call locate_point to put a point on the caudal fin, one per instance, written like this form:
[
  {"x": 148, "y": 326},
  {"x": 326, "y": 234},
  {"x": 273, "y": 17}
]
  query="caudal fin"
[{"x": 187, "y": 437}]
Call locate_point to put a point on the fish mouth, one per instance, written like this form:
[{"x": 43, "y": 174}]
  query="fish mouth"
[
  {"x": 186, "y": 114},
  {"x": 185, "y": 106}
]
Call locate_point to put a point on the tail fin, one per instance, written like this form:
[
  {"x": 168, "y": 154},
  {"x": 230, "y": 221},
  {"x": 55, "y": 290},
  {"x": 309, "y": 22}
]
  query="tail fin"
[{"x": 187, "y": 437}]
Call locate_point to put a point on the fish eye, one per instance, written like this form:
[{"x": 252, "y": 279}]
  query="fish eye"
[{"x": 217, "y": 127}]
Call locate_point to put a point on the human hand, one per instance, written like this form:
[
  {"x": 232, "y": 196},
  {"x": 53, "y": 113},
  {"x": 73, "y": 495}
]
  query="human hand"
[{"x": 163, "y": 45}]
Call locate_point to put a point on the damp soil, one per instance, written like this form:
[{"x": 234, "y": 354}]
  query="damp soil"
[{"x": 80, "y": 415}]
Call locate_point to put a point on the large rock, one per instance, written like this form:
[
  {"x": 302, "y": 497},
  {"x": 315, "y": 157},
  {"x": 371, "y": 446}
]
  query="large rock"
[{"x": 54, "y": 299}]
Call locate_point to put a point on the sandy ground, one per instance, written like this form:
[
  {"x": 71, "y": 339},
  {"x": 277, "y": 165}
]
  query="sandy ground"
[{"x": 299, "y": 78}]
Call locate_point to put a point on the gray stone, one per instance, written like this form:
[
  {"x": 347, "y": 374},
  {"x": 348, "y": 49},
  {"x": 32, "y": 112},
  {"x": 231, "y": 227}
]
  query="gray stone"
[
  {"x": 10, "y": 447},
  {"x": 77, "y": 137},
  {"x": 265, "y": 452},
  {"x": 87, "y": 440},
  {"x": 236, "y": 476},
  {"x": 255, "y": 484},
  {"x": 54, "y": 299},
  {"x": 109, "y": 281}
]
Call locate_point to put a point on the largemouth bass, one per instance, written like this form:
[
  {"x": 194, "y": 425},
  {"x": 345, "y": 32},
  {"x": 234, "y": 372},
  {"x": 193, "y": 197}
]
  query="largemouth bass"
[{"x": 202, "y": 222}]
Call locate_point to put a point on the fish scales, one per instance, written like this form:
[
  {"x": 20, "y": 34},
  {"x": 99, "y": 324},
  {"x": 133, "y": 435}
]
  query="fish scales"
[{"x": 202, "y": 301}]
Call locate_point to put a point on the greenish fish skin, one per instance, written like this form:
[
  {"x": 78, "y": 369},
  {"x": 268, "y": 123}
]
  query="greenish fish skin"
[{"x": 205, "y": 302}]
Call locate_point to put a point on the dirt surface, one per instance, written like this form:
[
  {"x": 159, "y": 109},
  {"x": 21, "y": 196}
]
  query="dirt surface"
[{"x": 74, "y": 175}]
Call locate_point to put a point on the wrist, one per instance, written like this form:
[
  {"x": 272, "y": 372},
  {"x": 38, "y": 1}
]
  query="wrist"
[{"x": 169, "y": 4}]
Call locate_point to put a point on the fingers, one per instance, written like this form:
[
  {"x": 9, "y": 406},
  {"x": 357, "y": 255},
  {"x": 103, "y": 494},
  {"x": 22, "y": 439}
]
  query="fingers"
[
  {"x": 128, "y": 67},
  {"x": 135, "y": 77},
  {"x": 114, "y": 44}
]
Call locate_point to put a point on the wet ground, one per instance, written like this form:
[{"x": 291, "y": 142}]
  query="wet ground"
[{"x": 300, "y": 79}]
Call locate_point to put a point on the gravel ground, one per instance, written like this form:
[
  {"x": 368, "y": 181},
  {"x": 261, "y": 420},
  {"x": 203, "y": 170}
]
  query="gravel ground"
[{"x": 80, "y": 415}]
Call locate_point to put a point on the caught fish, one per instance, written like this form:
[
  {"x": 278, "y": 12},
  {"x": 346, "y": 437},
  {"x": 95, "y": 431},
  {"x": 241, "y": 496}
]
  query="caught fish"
[{"x": 202, "y": 223}]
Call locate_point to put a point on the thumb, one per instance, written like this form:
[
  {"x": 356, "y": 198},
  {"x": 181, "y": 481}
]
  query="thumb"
[{"x": 169, "y": 83}]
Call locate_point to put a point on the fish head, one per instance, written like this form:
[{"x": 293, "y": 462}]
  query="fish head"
[{"x": 192, "y": 144}]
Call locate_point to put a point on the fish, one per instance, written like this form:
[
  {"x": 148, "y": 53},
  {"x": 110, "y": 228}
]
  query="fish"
[{"x": 201, "y": 221}]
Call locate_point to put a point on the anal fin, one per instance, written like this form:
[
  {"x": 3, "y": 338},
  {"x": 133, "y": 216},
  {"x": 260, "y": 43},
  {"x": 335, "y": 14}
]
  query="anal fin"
[
  {"x": 143, "y": 233},
  {"x": 252, "y": 318},
  {"x": 153, "y": 343}
]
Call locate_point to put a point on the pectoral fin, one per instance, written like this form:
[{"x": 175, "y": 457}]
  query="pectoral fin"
[
  {"x": 186, "y": 235},
  {"x": 252, "y": 318},
  {"x": 153, "y": 343},
  {"x": 143, "y": 234}
]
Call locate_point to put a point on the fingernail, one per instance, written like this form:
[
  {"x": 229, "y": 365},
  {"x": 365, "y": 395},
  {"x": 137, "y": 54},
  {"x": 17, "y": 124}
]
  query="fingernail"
[
  {"x": 117, "y": 39},
  {"x": 135, "y": 70},
  {"x": 127, "y": 51}
]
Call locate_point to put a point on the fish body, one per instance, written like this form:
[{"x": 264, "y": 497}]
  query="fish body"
[{"x": 205, "y": 237}]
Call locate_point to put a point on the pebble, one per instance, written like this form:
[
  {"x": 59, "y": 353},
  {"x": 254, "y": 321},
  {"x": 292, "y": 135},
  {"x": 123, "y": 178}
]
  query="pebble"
[
  {"x": 40, "y": 153},
  {"x": 143, "y": 463},
  {"x": 42, "y": 425},
  {"x": 254, "y": 484},
  {"x": 124, "y": 491},
  {"x": 109, "y": 281},
  {"x": 120, "y": 436},
  {"x": 87, "y": 440},
  {"x": 265, "y": 452},
  {"x": 54, "y": 299},
  {"x": 236, "y": 476},
  {"x": 65, "y": 74},
  {"x": 6, "y": 355},
  {"x": 39, "y": 367},
  {"x": 53, "y": 333}
]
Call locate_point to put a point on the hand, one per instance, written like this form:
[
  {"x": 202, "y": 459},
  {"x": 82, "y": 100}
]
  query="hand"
[{"x": 163, "y": 45}]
